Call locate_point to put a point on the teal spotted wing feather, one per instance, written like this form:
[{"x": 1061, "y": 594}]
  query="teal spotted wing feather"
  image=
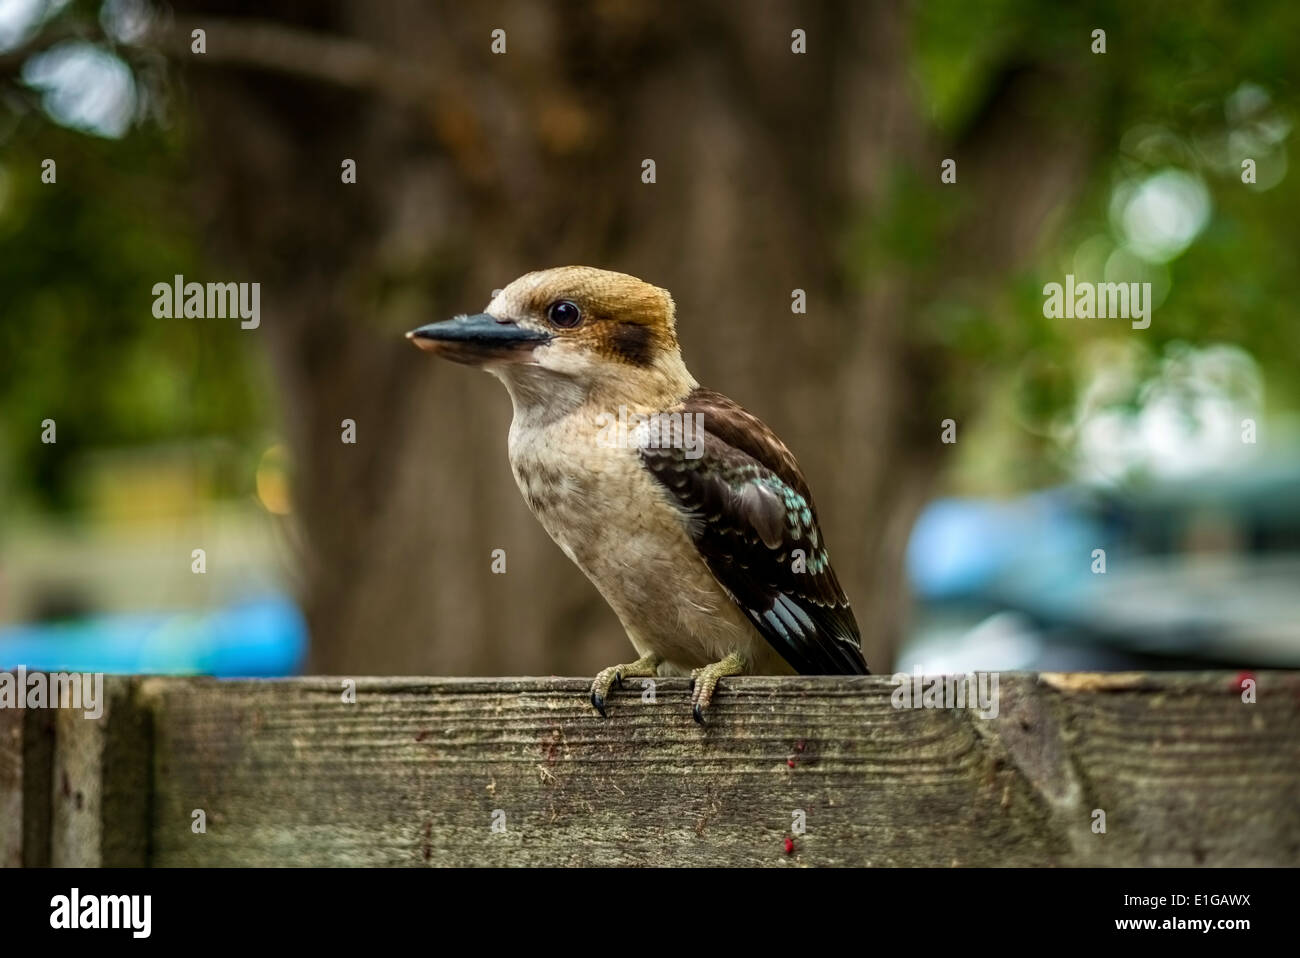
[{"x": 750, "y": 514}]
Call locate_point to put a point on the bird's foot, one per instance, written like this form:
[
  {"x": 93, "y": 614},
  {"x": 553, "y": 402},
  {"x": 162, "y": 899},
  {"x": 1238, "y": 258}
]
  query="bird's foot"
[
  {"x": 644, "y": 667},
  {"x": 705, "y": 680}
]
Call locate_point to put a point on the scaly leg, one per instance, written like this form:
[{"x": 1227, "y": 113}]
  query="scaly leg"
[
  {"x": 644, "y": 667},
  {"x": 705, "y": 680}
]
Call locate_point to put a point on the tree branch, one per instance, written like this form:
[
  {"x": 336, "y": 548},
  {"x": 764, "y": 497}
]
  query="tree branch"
[{"x": 313, "y": 56}]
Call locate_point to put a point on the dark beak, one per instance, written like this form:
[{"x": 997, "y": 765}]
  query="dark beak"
[{"x": 479, "y": 339}]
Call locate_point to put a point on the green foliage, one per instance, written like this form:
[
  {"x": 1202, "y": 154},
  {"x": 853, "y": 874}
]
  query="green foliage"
[
  {"x": 78, "y": 340},
  {"x": 1173, "y": 82}
]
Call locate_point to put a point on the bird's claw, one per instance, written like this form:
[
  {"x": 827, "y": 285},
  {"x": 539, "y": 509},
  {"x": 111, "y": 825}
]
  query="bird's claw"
[
  {"x": 704, "y": 681},
  {"x": 613, "y": 676}
]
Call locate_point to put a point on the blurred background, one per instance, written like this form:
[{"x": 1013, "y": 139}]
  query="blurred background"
[{"x": 127, "y": 441}]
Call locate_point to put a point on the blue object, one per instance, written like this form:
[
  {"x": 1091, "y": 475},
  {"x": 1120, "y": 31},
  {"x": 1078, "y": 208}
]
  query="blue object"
[
  {"x": 261, "y": 637},
  {"x": 965, "y": 548}
]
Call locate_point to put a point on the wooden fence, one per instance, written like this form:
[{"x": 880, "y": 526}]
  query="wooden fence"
[{"x": 1075, "y": 769}]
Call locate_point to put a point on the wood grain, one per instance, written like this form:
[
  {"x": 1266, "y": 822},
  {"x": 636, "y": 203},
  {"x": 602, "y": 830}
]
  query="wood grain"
[
  {"x": 26, "y": 760},
  {"x": 287, "y": 773}
]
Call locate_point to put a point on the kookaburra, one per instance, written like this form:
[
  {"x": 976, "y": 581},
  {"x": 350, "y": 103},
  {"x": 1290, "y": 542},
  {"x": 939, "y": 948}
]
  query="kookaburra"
[{"x": 687, "y": 512}]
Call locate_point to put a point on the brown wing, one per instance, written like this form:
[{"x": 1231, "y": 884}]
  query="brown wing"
[{"x": 752, "y": 518}]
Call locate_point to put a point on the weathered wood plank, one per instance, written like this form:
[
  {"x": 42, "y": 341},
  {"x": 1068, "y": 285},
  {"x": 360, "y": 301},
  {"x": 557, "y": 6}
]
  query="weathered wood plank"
[
  {"x": 26, "y": 758},
  {"x": 286, "y": 772},
  {"x": 11, "y": 788},
  {"x": 76, "y": 790},
  {"x": 100, "y": 797}
]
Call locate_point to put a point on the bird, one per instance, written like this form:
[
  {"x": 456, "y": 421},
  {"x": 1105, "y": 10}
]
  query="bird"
[{"x": 687, "y": 513}]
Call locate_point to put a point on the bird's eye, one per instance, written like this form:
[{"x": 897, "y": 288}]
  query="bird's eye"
[{"x": 564, "y": 314}]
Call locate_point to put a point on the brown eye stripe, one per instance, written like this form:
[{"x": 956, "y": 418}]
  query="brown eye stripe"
[{"x": 631, "y": 342}]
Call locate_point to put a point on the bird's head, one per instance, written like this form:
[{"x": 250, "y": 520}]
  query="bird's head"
[{"x": 571, "y": 334}]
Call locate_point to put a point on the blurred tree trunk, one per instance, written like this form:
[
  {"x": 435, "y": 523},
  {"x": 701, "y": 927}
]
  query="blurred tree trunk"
[{"x": 473, "y": 168}]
